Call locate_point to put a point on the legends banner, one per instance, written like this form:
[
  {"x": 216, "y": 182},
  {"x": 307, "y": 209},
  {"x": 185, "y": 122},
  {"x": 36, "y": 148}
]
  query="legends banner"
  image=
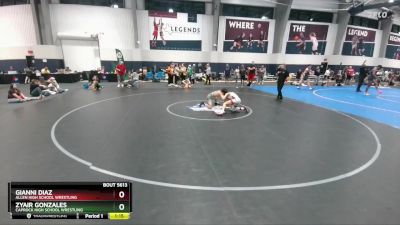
[
  {"x": 393, "y": 46},
  {"x": 246, "y": 36},
  {"x": 172, "y": 31},
  {"x": 359, "y": 42},
  {"x": 305, "y": 38}
]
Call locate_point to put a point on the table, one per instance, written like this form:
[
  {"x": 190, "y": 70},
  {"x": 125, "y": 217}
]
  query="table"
[{"x": 60, "y": 78}]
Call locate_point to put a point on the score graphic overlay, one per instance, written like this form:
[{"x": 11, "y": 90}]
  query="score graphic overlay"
[{"x": 70, "y": 200}]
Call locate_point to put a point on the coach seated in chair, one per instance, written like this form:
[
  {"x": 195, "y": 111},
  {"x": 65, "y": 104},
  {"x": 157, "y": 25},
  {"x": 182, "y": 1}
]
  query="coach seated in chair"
[
  {"x": 45, "y": 70},
  {"x": 67, "y": 70}
]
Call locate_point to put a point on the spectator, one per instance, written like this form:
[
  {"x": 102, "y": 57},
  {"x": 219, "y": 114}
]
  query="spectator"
[
  {"x": 170, "y": 73},
  {"x": 327, "y": 75},
  {"x": 177, "y": 72},
  {"x": 251, "y": 74},
  {"x": 45, "y": 70},
  {"x": 120, "y": 70},
  {"x": 298, "y": 75},
  {"x": 191, "y": 74},
  {"x": 349, "y": 75},
  {"x": 317, "y": 73},
  {"x": 35, "y": 89},
  {"x": 237, "y": 75},
  {"x": 28, "y": 76},
  {"x": 227, "y": 72},
  {"x": 339, "y": 75},
  {"x": 324, "y": 66},
  {"x": 242, "y": 72},
  {"x": 183, "y": 72},
  {"x": 45, "y": 88},
  {"x": 54, "y": 86},
  {"x": 199, "y": 68},
  {"x": 11, "y": 70},
  {"x": 133, "y": 79},
  {"x": 15, "y": 95},
  {"x": 208, "y": 74},
  {"x": 260, "y": 75},
  {"x": 68, "y": 70}
]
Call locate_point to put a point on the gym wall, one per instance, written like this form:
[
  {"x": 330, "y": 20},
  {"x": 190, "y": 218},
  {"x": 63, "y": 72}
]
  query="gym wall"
[
  {"x": 16, "y": 26},
  {"x": 116, "y": 31}
]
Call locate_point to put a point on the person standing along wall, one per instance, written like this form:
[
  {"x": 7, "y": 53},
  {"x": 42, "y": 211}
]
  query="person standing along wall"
[
  {"x": 282, "y": 74},
  {"x": 349, "y": 75},
  {"x": 252, "y": 73},
  {"x": 260, "y": 75},
  {"x": 120, "y": 70},
  {"x": 208, "y": 74},
  {"x": 170, "y": 73}
]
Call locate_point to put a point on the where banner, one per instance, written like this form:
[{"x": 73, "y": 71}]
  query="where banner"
[
  {"x": 359, "y": 42},
  {"x": 172, "y": 31},
  {"x": 246, "y": 36},
  {"x": 393, "y": 46},
  {"x": 305, "y": 38}
]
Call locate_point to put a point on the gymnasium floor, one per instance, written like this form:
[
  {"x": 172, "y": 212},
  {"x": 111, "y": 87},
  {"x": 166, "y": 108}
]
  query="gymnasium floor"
[{"x": 290, "y": 162}]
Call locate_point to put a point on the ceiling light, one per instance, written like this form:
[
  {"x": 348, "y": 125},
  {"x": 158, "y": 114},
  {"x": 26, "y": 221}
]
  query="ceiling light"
[{"x": 170, "y": 10}]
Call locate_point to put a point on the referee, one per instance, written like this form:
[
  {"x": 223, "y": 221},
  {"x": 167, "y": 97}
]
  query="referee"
[
  {"x": 282, "y": 74},
  {"x": 361, "y": 76}
]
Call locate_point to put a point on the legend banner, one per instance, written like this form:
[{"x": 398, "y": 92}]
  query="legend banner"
[
  {"x": 359, "y": 42},
  {"x": 393, "y": 46},
  {"x": 76, "y": 200}
]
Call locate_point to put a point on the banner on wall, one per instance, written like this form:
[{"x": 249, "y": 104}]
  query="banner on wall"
[
  {"x": 305, "y": 38},
  {"x": 359, "y": 42},
  {"x": 393, "y": 47},
  {"x": 246, "y": 36},
  {"x": 172, "y": 31}
]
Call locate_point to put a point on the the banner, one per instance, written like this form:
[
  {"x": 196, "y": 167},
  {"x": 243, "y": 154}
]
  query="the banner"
[
  {"x": 305, "y": 38},
  {"x": 246, "y": 36},
  {"x": 120, "y": 56},
  {"x": 393, "y": 47},
  {"x": 359, "y": 42},
  {"x": 172, "y": 31}
]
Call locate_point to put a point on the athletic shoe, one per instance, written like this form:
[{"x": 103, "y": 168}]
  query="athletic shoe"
[
  {"x": 367, "y": 94},
  {"x": 119, "y": 85},
  {"x": 66, "y": 90},
  {"x": 202, "y": 104}
]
